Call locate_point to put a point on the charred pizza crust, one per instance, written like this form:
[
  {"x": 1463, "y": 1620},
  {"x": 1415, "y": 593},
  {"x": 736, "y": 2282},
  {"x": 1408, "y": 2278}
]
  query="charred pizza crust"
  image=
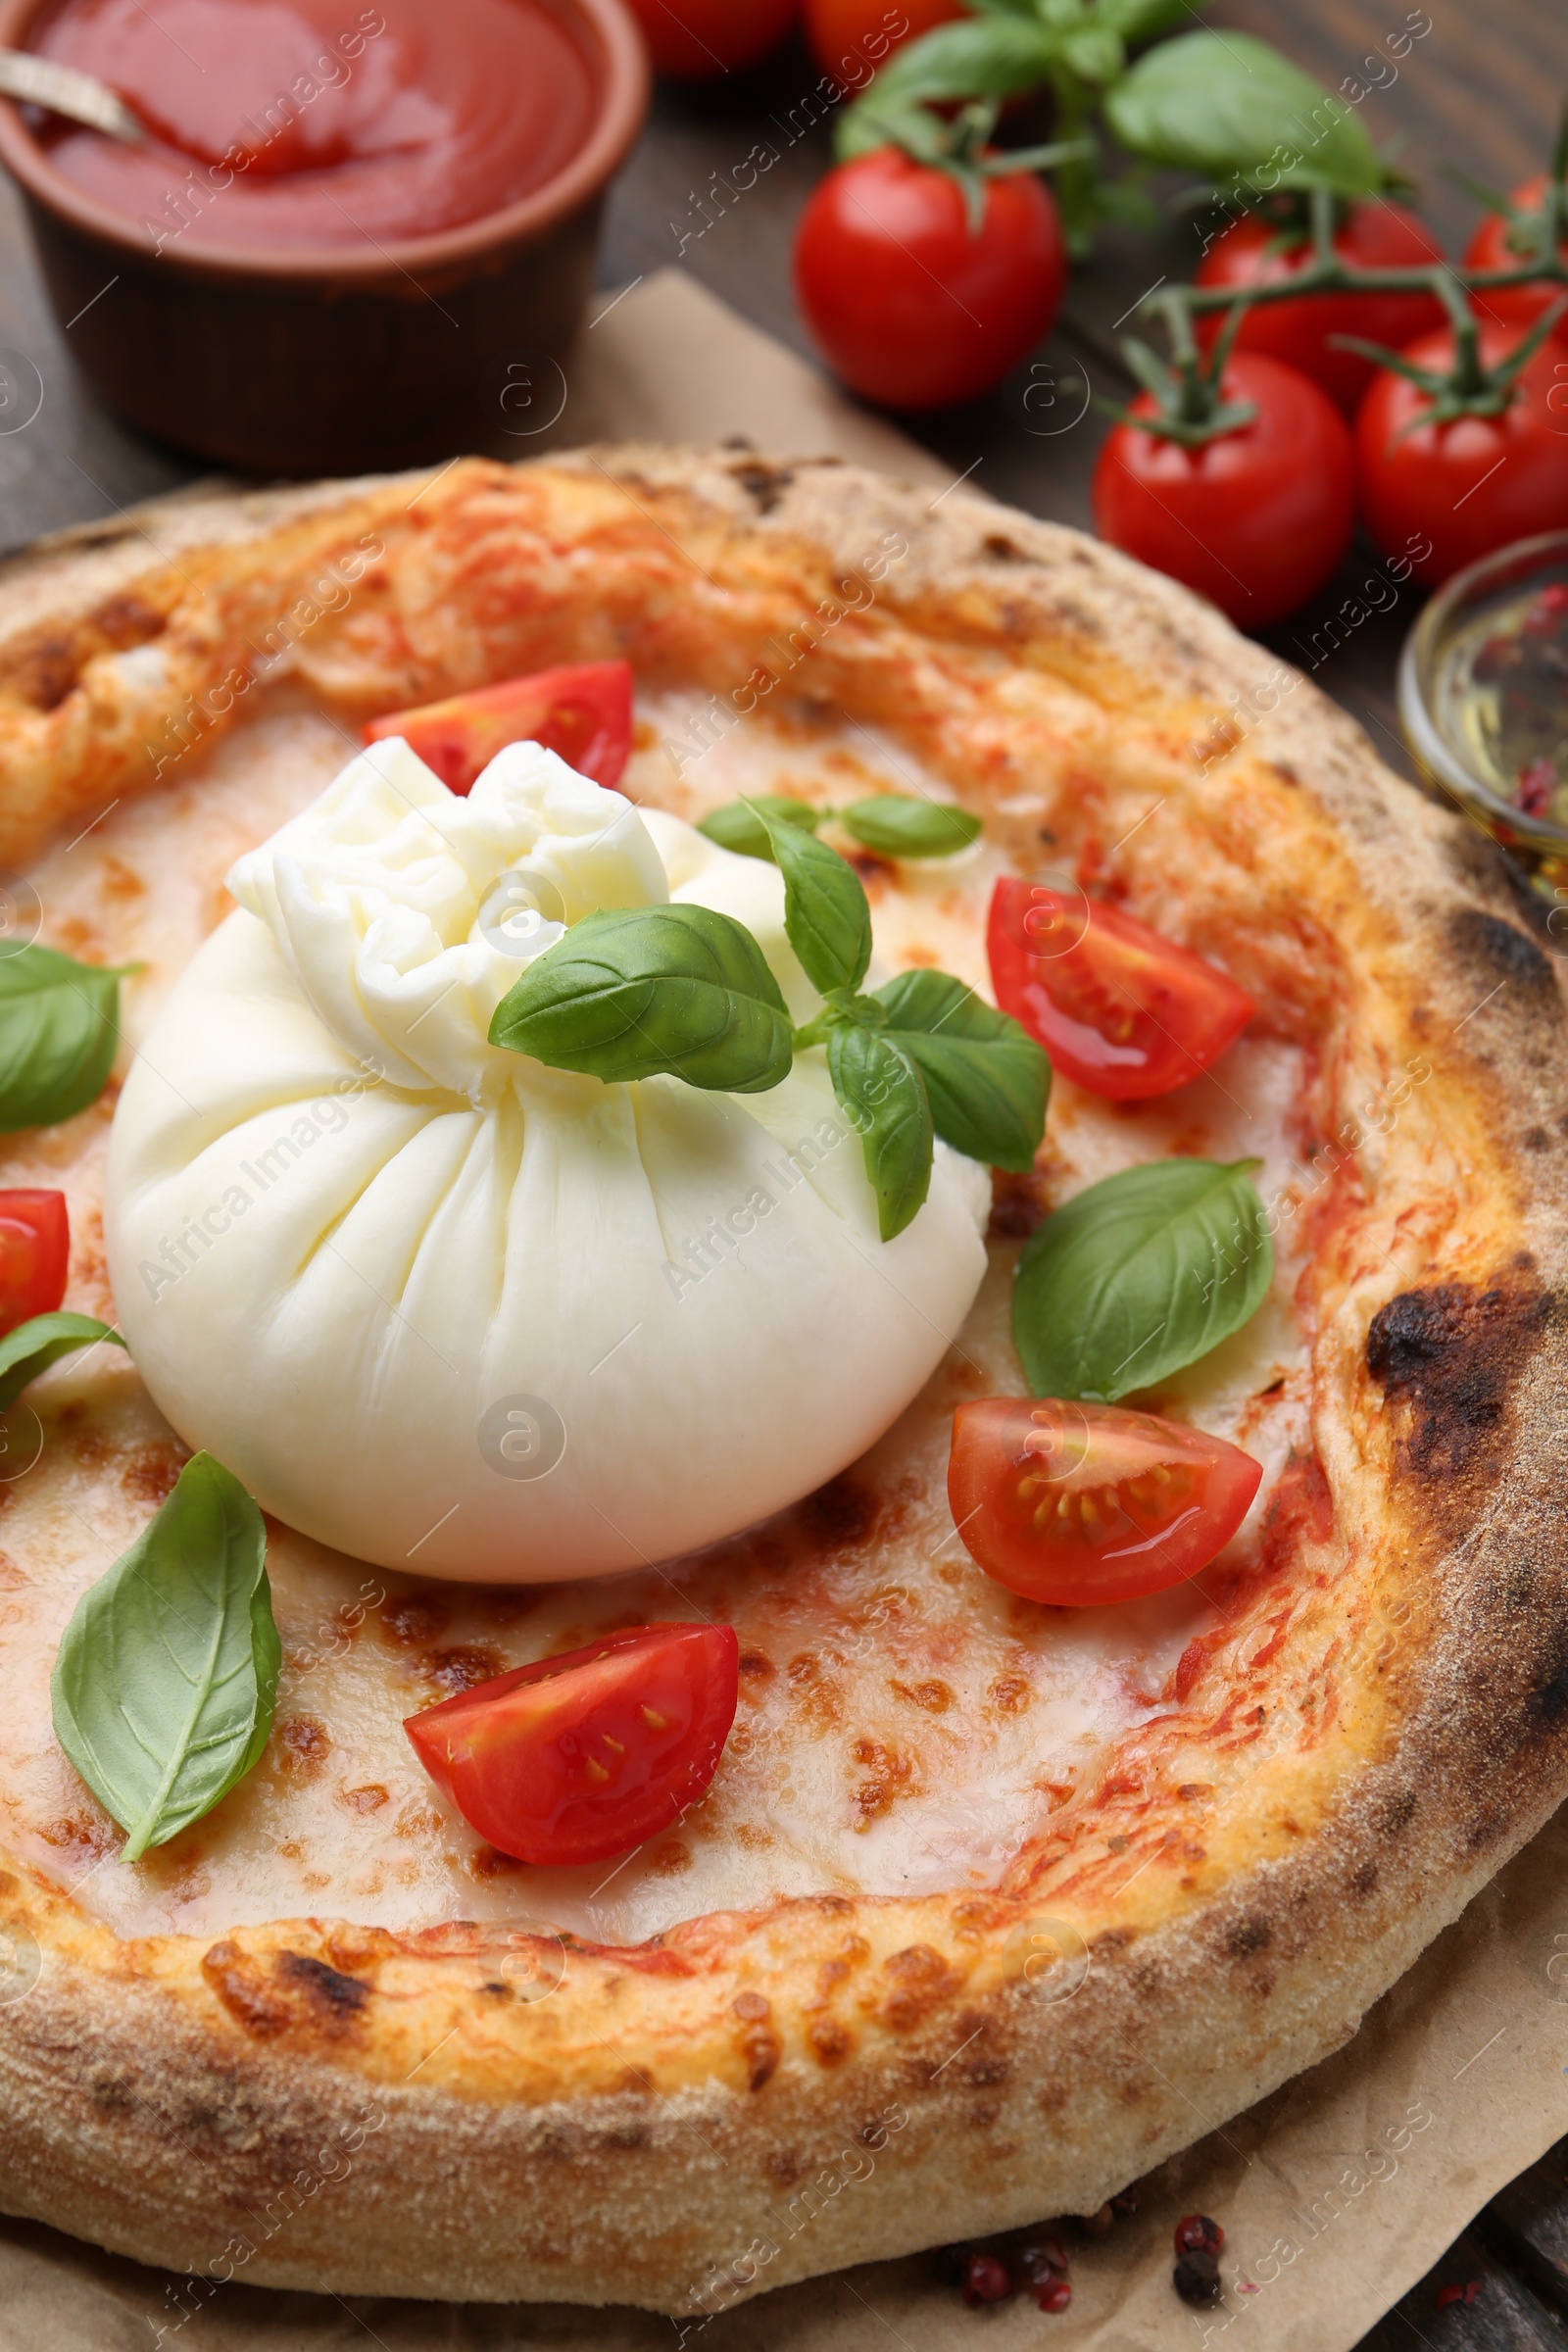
[{"x": 1381, "y": 1723}]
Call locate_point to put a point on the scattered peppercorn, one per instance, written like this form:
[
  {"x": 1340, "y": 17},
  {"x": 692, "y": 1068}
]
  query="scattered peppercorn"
[
  {"x": 986, "y": 2279},
  {"x": 1196, "y": 2233},
  {"x": 1458, "y": 2294},
  {"x": 1055, "y": 2295},
  {"x": 1196, "y": 2278},
  {"x": 1095, "y": 2225},
  {"x": 1041, "y": 2258}
]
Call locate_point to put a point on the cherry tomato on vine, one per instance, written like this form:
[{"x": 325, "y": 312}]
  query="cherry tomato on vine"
[
  {"x": 583, "y": 713},
  {"x": 1372, "y": 236},
  {"x": 580, "y": 1757},
  {"x": 849, "y": 38},
  {"x": 1119, "y": 1009},
  {"x": 1462, "y": 489},
  {"x": 1255, "y": 519},
  {"x": 907, "y": 304},
  {"x": 1077, "y": 1505},
  {"x": 697, "y": 41},
  {"x": 1503, "y": 243},
  {"x": 34, "y": 1248}
]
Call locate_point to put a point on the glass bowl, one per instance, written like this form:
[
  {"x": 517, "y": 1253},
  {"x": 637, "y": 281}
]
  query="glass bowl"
[{"x": 1484, "y": 694}]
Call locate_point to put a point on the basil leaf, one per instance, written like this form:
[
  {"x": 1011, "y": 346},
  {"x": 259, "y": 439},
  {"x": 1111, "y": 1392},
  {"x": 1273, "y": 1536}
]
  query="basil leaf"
[
  {"x": 1228, "y": 104},
  {"x": 736, "y": 827},
  {"x": 1138, "y": 1275},
  {"x": 991, "y": 57},
  {"x": 987, "y": 1080},
  {"x": 645, "y": 991},
  {"x": 34, "y": 1346},
  {"x": 167, "y": 1677},
  {"x": 59, "y": 1027},
  {"x": 825, "y": 914},
  {"x": 885, "y": 1097},
  {"x": 897, "y": 827},
  {"x": 1140, "y": 20}
]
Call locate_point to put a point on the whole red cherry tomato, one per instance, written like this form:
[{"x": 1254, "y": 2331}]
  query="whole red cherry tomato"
[
  {"x": 910, "y": 305},
  {"x": 580, "y": 1757},
  {"x": 697, "y": 41},
  {"x": 35, "y": 1247},
  {"x": 1119, "y": 1009},
  {"x": 1502, "y": 242},
  {"x": 1460, "y": 490},
  {"x": 1256, "y": 519},
  {"x": 581, "y": 712},
  {"x": 1372, "y": 236},
  {"x": 849, "y": 38},
  {"x": 1081, "y": 1504}
]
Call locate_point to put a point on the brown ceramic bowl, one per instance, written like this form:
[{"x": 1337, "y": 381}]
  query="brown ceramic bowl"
[{"x": 305, "y": 362}]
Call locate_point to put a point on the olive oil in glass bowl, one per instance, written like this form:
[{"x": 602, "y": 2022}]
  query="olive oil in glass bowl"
[{"x": 1484, "y": 694}]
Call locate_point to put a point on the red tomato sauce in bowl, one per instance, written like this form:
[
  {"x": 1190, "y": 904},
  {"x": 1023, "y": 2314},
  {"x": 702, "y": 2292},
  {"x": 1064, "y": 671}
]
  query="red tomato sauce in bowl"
[{"x": 284, "y": 123}]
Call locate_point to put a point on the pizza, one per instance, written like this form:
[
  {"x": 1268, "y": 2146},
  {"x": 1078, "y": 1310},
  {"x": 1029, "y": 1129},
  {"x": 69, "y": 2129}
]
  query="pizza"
[{"x": 991, "y": 1897}]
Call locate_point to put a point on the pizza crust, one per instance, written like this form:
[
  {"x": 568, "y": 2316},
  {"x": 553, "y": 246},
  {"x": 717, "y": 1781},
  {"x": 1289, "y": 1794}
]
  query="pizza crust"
[{"x": 752, "y": 2098}]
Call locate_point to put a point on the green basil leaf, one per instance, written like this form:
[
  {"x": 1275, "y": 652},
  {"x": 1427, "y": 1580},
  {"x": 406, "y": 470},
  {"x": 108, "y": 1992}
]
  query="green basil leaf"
[
  {"x": 884, "y": 1096},
  {"x": 1138, "y": 1275},
  {"x": 59, "y": 1026},
  {"x": 1140, "y": 20},
  {"x": 1095, "y": 53},
  {"x": 34, "y": 1346},
  {"x": 980, "y": 57},
  {"x": 645, "y": 991},
  {"x": 167, "y": 1677},
  {"x": 895, "y": 827},
  {"x": 1228, "y": 104},
  {"x": 825, "y": 914},
  {"x": 987, "y": 1080},
  {"x": 736, "y": 827}
]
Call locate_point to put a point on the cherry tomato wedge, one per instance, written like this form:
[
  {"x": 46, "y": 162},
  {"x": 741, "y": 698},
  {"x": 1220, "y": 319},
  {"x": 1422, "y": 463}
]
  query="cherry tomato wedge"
[
  {"x": 35, "y": 1245},
  {"x": 583, "y": 713},
  {"x": 580, "y": 1757},
  {"x": 1119, "y": 1009},
  {"x": 1082, "y": 1503}
]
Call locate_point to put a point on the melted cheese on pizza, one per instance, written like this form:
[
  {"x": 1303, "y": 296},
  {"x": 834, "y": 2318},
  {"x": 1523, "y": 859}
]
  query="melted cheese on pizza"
[{"x": 905, "y": 1725}]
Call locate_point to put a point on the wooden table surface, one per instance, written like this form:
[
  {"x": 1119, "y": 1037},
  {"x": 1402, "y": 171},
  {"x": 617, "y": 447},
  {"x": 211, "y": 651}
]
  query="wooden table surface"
[{"x": 1479, "y": 93}]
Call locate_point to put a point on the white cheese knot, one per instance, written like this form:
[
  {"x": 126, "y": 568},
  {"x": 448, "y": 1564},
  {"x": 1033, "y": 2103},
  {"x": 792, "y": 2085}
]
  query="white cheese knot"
[{"x": 457, "y": 1313}]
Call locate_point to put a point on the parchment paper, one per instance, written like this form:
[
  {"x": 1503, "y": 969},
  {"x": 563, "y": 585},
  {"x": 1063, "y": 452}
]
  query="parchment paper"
[{"x": 1337, "y": 2193}]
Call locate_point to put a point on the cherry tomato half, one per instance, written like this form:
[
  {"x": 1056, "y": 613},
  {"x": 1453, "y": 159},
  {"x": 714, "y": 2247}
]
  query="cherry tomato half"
[
  {"x": 911, "y": 306},
  {"x": 1119, "y": 1009},
  {"x": 1371, "y": 237},
  {"x": 580, "y": 1757},
  {"x": 849, "y": 38},
  {"x": 1494, "y": 247},
  {"x": 582, "y": 711},
  {"x": 1082, "y": 1503},
  {"x": 1256, "y": 519},
  {"x": 35, "y": 1247},
  {"x": 1459, "y": 490},
  {"x": 697, "y": 41}
]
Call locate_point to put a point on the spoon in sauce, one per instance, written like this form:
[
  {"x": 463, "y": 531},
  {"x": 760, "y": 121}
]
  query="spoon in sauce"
[{"x": 64, "y": 91}]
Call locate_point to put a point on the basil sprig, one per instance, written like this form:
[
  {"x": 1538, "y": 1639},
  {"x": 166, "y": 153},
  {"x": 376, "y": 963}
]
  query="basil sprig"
[
  {"x": 648, "y": 991},
  {"x": 892, "y": 824},
  {"x": 34, "y": 1346},
  {"x": 1232, "y": 107},
  {"x": 684, "y": 992},
  {"x": 1139, "y": 1276},
  {"x": 167, "y": 1677},
  {"x": 59, "y": 1027}
]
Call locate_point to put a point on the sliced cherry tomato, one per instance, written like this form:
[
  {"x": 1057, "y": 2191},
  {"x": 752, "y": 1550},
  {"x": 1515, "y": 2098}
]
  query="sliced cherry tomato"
[
  {"x": 1082, "y": 1503},
  {"x": 580, "y": 1757},
  {"x": 1256, "y": 519},
  {"x": 583, "y": 713},
  {"x": 35, "y": 1245},
  {"x": 1119, "y": 1009},
  {"x": 910, "y": 305},
  {"x": 849, "y": 38},
  {"x": 697, "y": 41},
  {"x": 1444, "y": 495},
  {"x": 1371, "y": 237},
  {"x": 1503, "y": 243}
]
